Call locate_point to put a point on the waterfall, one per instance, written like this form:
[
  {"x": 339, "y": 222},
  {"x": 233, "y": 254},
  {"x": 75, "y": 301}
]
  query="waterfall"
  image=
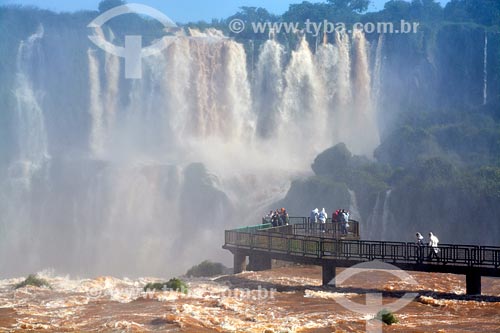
[
  {"x": 327, "y": 59},
  {"x": 363, "y": 119},
  {"x": 95, "y": 107},
  {"x": 343, "y": 77},
  {"x": 303, "y": 101},
  {"x": 31, "y": 133},
  {"x": 112, "y": 73},
  {"x": 268, "y": 88},
  {"x": 218, "y": 100},
  {"x": 373, "y": 230},
  {"x": 377, "y": 71},
  {"x": 485, "y": 71},
  {"x": 380, "y": 224},
  {"x": 125, "y": 185},
  {"x": 386, "y": 217},
  {"x": 353, "y": 206}
]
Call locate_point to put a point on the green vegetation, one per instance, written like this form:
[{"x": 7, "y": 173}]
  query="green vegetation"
[
  {"x": 174, "y": 284},
  {"x": 387, "y": 317},
  {"x": 206, "y": 268},
  {"x": 33, "y": 280}
]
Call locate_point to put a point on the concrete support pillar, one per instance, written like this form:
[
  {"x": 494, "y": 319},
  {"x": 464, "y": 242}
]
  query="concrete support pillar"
[
  {"x": 328, "y": 272},
  {"x": 239, "y": 261},
  {"x": 259, "y": 262},
  {"x": 473, "y": 280}
]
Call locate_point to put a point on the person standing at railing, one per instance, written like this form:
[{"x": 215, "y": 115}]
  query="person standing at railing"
[
  {"x": 268, "y": 218},
  {"x": 313, "y": 219},
  {"x": 420, "y": 239},
  {"x": 420, "y": 248},
  {"x": 322, "y": 219},
  {"x": 433, "y": 243},
  {"x": 344, "y": 219},
  {"x": 275, "y": 219},
  {"x": 284, "y": 217}
]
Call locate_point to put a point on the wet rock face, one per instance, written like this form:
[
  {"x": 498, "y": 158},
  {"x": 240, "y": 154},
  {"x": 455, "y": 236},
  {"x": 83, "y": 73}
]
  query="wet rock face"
[{"x": 200, "y": 199}]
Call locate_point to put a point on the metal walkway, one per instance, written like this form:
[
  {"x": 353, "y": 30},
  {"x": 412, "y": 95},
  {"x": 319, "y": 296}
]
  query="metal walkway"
[{"x": 302, "y": 244}]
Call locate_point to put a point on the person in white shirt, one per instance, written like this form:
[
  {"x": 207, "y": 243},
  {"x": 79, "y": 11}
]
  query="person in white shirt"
[
  {"x": 433, "y": 243},
  {"x": 322, "y": 219}
]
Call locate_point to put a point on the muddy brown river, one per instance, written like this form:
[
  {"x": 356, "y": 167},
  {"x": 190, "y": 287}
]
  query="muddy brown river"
[{"x": 287, "y": 299}]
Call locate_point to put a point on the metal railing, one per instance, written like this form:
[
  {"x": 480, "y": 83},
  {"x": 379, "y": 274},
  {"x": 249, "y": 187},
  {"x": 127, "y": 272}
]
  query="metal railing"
[
  {"x": 336, "y": 230},
  {"x": 282, "y": 240}
]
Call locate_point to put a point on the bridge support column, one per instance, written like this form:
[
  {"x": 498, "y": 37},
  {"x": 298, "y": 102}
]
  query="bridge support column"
[
  {"x": 328, "y": 272},
  {"x": 259, "y": 262},
  {"x": 473, "y": 280},
  {"x": 239, "y": 261}
]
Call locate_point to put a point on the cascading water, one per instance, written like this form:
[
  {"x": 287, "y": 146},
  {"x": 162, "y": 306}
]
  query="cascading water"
[
  {"x": 387, "y": 217},
  {"x": 363, "y": 120},
  {"x": 31, "y": 134},
  {"x": 377, "y": 71},
  {"x": 96, "y": 108},
  {"x": 485, "y": 71},
  {"x": 268, "y": 88},
  {"x": 112, "y": 73},
  {"x": 373, "y": 228},
  {"x": 139, "y": 204},
  {"x": 380, "y": 224},
  {"x": 343, "y": 77},
  {"x": 303, "y": 100},
  {"x": 353, "y": 206},
  {"x": 327, "y": 58}
]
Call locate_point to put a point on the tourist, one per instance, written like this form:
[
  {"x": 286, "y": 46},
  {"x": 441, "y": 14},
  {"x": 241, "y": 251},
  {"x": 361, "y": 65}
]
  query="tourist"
[
  {"x": 313, "y": 219},
  {"x": 284, "y": 217},
  {"x": 344, "y": 221},
  {"x": 420, "y": 239},
  {"x": 335, "y": 216},
  {"x": 433, "y": 243},
  {"x": 322, "y": 219},
  {"x": 420, "y": 249},
  {"x": 275, "y": 219},
  {"x": 268, "y": 218}
]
